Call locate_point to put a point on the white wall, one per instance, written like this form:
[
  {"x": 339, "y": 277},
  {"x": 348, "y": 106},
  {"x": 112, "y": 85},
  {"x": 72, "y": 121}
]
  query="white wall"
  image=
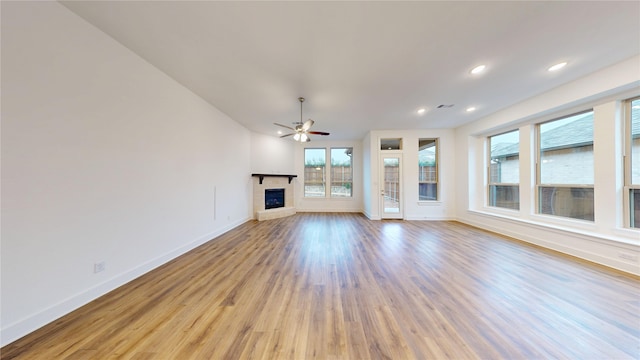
[
  {"x": 104, "y": 158},
  {"x": 271, "y": 154},
  {"x": 413, "y": 209},
  {"x": 604, "y": 241},
  {"x": 353, "y": 204}
]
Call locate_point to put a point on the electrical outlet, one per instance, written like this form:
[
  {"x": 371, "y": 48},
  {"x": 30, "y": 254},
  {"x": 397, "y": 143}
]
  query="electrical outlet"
[
  {"x": 628, "y": 256},
  {"x": 99, "y": 267}
]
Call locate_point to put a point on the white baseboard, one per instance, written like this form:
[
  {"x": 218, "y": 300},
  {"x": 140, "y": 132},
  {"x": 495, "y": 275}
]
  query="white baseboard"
[{"x": 16, "y": 330}]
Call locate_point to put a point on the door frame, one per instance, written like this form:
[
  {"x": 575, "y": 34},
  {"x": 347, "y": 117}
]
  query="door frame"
[{"x": 383, "y": 213}]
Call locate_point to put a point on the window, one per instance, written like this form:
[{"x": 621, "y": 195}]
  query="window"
[
  {"x": 504, "y": 170},
  {"x": 565, "y": 167},
  {"x": 427, "y": 169},
  {"x": 314, "y": 172},
  {"x": 391, "y": 144},
  {"x": 341, "y": 172},
  {"x": 632, "y": 162}
]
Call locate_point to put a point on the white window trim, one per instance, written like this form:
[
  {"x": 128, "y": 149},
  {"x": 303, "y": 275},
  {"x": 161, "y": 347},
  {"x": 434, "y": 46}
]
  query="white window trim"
[{"x": 627, "y": 156}]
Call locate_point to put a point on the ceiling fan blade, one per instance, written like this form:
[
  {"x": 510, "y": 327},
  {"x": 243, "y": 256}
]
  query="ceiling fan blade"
[
  {"x": 307, "y": 125},
  {"x": 285, "y": 135},
  {"x": 318, "y": 133},
  {"x": 285, "y": 126}
]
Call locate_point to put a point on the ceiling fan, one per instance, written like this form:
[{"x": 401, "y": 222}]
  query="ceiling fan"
[{"x": 301, "y": 131}]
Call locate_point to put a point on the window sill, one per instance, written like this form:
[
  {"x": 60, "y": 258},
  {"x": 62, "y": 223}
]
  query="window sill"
[
  {"x": 318, "y": 198},
  {"x": 561, "y": 221},
  {"x": 503, "y": 211},
  {"x": 627, "y": 232},
  {"x": 578, "y": 227}
]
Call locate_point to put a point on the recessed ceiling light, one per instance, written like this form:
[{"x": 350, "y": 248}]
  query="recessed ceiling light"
[
  {"x": 471, "y": 108},
  {"x": 478, "y": 69},
  {"x": 279, "y": 132},
  {"x": 557, "y": 67},
  {"x": 421, "y": 111}
]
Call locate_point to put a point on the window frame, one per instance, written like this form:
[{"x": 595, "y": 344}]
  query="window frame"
[
  {"x": 437, "y": 170},
  {"x": 538, "y": 171},
  {"x": 628, "y": 187},
  {"x": 327, "y": 173},
  {"x": 489, "y": 177}
]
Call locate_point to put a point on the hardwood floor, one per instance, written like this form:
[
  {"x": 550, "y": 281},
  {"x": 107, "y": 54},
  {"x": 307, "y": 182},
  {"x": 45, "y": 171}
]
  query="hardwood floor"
[{"x": 338, "y": 286}]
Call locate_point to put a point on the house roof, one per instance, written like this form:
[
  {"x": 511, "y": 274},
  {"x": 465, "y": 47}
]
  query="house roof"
[
  {"x": 576, "y": 133},
  {"x": 580, "y": 130}
]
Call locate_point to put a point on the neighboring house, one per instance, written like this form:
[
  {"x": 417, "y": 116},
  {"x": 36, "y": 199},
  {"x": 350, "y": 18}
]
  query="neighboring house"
[
  {"x": 563, "y": 148},
  {"x": 566, "y": 159},
  {"x": 565, "y": 145}
]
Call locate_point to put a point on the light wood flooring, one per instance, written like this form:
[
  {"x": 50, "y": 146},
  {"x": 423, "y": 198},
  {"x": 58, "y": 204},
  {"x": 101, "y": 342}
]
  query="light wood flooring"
[{"x": 338, "y": 286}]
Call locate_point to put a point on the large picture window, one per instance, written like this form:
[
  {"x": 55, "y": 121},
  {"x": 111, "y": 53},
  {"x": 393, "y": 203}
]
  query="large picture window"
[
  {"x": 565, "y": 167},
  {"x": 341, "y": 172},
  {"x": 504, "y": 170},
  {"x": 632, "y": 163},
  {"x": 427, "y": 169},
  {"x": 314, "y": 172}
]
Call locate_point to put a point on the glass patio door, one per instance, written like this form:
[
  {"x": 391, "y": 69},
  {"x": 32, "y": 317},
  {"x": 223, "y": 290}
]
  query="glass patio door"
[{"x": 391, "y": 191}]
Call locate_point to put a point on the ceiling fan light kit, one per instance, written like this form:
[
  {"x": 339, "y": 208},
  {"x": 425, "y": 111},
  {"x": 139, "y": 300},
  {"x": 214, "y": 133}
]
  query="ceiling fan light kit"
[{"x": 301, "y": 131}]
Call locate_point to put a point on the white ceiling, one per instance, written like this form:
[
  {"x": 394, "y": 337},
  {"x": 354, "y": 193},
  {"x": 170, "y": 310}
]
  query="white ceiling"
[{"x": 368, "y": 65}]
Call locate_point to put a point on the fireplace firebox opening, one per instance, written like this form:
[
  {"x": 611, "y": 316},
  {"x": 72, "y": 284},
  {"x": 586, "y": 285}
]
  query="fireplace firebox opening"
[{"x": 273, "y": 198}]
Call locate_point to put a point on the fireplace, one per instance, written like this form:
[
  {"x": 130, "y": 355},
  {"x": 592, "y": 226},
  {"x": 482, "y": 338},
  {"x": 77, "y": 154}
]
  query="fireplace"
[{"x": 273, "y": 198}]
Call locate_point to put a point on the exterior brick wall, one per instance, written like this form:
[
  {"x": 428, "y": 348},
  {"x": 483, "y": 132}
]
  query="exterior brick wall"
[{"x": 567, "y": 166}]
